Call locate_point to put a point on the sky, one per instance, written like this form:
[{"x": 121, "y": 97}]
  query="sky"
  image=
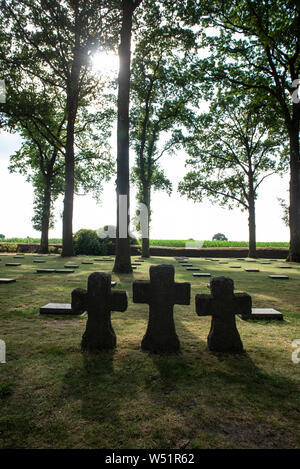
[{"x": 173, "y": 217}]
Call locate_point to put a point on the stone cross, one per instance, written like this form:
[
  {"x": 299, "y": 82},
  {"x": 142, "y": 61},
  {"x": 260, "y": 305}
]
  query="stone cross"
[
  {"x": 98, "y": 301},
  {"x": 161, "y": 294},
  {"x": 222, "y": 305}
]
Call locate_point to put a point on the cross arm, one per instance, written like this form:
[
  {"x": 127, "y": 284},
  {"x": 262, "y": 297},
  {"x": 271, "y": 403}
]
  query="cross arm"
[
  {"x": 204, "y": 305},
  {"x": 141, "y": 291},
  {"x": 182, "y": 293},
  {"x": 79, "y": 300},
  {"x": 243, "y": 303},
  {"x": 119, "y": 301}
]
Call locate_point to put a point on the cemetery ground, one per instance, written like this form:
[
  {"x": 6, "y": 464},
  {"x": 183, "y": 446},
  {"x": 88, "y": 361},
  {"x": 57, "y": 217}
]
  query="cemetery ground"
[{"x": 54, "y": 396}]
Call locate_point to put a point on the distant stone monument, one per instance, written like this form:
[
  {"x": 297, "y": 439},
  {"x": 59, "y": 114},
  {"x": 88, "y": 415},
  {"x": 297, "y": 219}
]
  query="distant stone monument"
[
  {"x": 223, "y": 305},
  {"x": 161, "y": 294},
  {"x": 98, "y": 300}
]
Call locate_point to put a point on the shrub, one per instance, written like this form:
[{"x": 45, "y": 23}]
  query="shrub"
[
  {"x": 87, "y": 242},
  {"x": 219, "y": 237},
  {"x": 8, "y": 247}
]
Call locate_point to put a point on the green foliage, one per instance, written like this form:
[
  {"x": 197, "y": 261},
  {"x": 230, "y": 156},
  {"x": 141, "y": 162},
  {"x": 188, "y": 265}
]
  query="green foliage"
[
  {"x": 8, "y": 247},
  {"x": 87, "y": 242},
  {"x": 30, "y": 240},
  {"x": 214, "y": 244},
  {"x": 219, "y": 237},
  {"x": 232, "y": 151}
]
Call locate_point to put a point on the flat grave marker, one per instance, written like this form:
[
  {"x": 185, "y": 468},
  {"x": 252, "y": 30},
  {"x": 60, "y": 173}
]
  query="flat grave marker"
[
  {"x": 12, "y": 264},
  {"x": 204, "y": 274},
  {"x": 284, "y": 267},
  {"x": 263, "y": 314},
  {"x": 252, "y": 270},
  {"x": 39, "y": 261},
  {"x": 74, "y": 266},
  {"x": 87, "y": 263},
  {"x": 7, "y": 280},
  {"x": 192, "y": 268},
  {"x": 45, "y": 271},
  {"x": 57, "y": 308},
  {"x": 279, "y": 277},
  {"x": 235, "y": 267}
]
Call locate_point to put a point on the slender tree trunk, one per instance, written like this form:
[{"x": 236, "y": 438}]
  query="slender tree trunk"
[
  {"x": 252, "y": 230},
  {"x": 122, "y": 261},
  {"x": 251, "y": 219},
  {"x": 294, "y": 254},
  {"x": 44, "y": 246},
  {"x": 67, "y": 248}
]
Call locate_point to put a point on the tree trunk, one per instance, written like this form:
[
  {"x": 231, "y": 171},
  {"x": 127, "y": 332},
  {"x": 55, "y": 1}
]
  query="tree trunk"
[
  {"x": 252, "y": 230},
  {"x": 122, "y": 261},
  {"x": 67, "y": 248},
  {"x": 251, "y": 219},
  {"x": 294, "y": 254},
  {"x": 44, "y": 246}
]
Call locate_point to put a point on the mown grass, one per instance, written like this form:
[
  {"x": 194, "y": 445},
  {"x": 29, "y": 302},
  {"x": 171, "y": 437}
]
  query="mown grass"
[{"x": 53, "y": 396}]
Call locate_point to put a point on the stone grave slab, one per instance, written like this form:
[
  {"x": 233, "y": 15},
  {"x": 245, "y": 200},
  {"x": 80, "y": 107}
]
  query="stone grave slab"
[
  {"x": 284, "y": 267},
  {"x": 45, "y": 271},
  {"x": 113, "y": 283},
  {"x": 39, "y": 261},
  {"x": 7, "y": 280},
  {"x": 187, "y": 265},
  {"x": 252, "y": 270},
  {"x": 221, "y": 262},
  {"x": 12, "y": 264},
  {"x": 18, "y": 257},
  {"x": 87, "y": 263},
  {"x": 263, "y": 314},
  {"x": 235, "y": 267},
  {"x": 57, "y": 308},
  {"x": 192, "y": 268},
  {"x": 64, "y": 271},
  {"x": 202, "y": 274},
  {"x": 71, "y": 266},
  {"x": 250, "y": 260},
  {"x": 279, "y": 277},
  {"x": 265, "y": 263}
]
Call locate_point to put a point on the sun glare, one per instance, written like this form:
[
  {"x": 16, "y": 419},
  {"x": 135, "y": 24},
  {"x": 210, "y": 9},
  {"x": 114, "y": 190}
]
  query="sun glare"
[{"x": 105, "y": 63}]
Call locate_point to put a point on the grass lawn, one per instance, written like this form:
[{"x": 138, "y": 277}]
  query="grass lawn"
[{"x": 53, "y": 396}]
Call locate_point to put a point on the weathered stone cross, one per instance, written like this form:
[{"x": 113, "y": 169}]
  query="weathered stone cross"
[
  {"x": 222, "y": 305},
  {"x": 98, "y": 301},
  {"x": 161, "y": 294}
]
